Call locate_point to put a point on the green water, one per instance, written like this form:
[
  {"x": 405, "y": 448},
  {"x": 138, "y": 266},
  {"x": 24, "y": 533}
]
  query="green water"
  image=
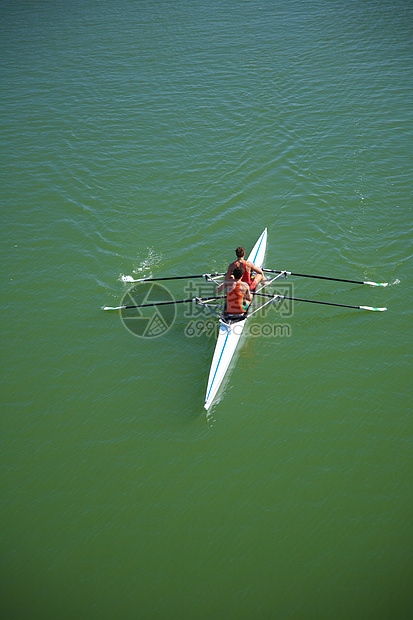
[{"x": 152, "y": 138}]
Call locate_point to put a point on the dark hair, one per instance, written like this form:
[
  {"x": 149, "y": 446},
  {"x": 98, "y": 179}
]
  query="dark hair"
[
  {"x": 238, "y": 273},
  {"x": 240, "y": 252}
]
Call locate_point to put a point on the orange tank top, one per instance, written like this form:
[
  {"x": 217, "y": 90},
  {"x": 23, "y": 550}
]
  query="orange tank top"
[{"x": 234, "y": 300}]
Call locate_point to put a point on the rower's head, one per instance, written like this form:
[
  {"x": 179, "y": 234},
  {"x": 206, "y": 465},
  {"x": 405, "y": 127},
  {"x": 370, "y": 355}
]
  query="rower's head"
[
  {"x": 240, "y": 252},
  {"x": 238, "y": 273}
]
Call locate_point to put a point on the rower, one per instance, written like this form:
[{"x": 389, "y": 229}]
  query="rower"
[
  {"x": 238, "y": 292},
  {"x": 248, "y": 267}
]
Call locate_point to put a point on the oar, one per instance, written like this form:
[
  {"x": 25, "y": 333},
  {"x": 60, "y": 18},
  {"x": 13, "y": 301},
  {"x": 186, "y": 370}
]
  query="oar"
[
  {"x": 161, "y": 303},
  {"x": 304, "y": 275},
  {"x": 203, "y": 275},
  {"x": 325, "y": 303}
]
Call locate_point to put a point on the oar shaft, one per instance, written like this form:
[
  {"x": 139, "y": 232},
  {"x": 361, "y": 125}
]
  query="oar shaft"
[
  {"x": 324, "y": 303},
  {"x": 212, "y": 275},
  {"x": 161, "y": 303},
  {"x": 304, "y": 275}
]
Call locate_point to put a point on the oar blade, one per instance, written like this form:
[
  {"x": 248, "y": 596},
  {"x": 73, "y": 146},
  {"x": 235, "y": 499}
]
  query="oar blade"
[
  {"x": 128, "y": 279},
  {"x": 113, "y": 307},
  {"x": 372, "y": 309},
  {"x": 376, "y": 283}
]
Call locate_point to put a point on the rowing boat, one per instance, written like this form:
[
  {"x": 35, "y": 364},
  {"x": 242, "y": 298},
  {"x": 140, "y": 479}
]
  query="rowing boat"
[
  {"x": 230, "y": 330},
  {"x": 230, "y": 333}
]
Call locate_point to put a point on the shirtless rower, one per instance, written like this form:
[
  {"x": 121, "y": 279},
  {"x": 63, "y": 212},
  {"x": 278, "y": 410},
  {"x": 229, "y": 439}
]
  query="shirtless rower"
[
  {"x": 248, "y": 267},
  {"x": 239, "y": 295}
]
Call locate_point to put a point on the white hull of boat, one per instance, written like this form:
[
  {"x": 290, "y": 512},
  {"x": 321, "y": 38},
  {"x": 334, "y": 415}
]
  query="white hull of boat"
[{"x": 229, "y": 335}]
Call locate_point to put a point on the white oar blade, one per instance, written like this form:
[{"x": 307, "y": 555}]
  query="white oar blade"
[
  {"x": 113, "y": 308},
  {"x": 128, "y": 279},
  {"x": 372, "y": 309},
  {"x": 376, "y": 283}
]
